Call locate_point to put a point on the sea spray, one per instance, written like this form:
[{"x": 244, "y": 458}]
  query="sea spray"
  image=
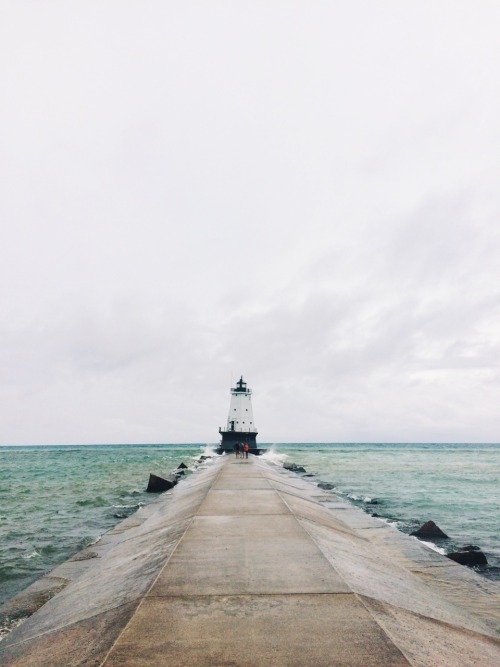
[
  {"x": 272, "y": 455},
  {"x": 210, "y": 450}
]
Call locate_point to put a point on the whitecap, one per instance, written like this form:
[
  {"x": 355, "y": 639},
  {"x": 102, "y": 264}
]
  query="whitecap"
[
  {"x": 32, "y": 554},
  {"x": 209, "y": 450},
  {"x": 273, "y": 456},
  {"x": 434, "y": 547},
  {"x": 8, "y": 624}
]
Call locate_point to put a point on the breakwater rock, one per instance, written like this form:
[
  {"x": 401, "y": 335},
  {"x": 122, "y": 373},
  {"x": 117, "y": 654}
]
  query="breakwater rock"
[
  {"x": 470, "y": 558},
  {"x": 158, "y": 484},
  {"x": 429, "y": 531},
  {"x": 327, "y": 486},
  {"x": 293, "y": 467}
]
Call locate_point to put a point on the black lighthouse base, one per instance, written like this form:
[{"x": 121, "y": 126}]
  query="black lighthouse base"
[{"x": 230, "y": 438}]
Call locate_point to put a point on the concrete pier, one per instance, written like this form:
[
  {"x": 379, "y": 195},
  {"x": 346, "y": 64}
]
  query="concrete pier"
[{"x": 248, "y": 565}]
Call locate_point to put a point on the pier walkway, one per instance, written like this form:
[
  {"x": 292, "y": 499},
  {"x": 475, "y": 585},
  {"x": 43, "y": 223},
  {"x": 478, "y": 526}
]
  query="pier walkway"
[
  {"x": 252, "y": 569},
  {"x": 247, "y": 585}
]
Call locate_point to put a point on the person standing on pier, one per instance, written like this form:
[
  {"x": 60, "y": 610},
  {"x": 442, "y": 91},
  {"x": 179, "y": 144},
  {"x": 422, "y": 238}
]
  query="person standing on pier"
[
  {"x": 246, "y": 449},
  {"x": 237, "y": 449}
]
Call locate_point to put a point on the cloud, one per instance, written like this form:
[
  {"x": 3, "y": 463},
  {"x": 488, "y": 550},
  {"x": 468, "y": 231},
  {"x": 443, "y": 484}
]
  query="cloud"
[{"x": 305, "y": 195}]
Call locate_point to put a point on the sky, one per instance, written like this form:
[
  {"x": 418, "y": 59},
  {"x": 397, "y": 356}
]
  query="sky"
[{"x": 302, "y": 193}]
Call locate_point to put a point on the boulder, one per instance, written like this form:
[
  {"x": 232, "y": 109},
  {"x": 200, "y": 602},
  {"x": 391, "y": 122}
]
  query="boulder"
[
  {"x": 182, "y": 466},
  {"x": 326, "y": 485},
  {"x": 293, "y": 467},
  {"x": 469, "y": 558},
  {"x": 159, "y": 484},
  {"x": 429, "y": 531},
  {"x": 470, "y": 547}
]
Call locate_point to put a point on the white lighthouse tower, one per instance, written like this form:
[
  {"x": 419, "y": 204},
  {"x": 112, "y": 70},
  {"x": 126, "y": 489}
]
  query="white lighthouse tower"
[{"x": 240, "y": 423}]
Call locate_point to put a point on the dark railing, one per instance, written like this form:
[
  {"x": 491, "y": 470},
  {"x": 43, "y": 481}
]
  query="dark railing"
[{"x": 232, "y": 430}]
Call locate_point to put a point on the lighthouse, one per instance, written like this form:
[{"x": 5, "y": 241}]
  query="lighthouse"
[{"x": 240, "y": 425}]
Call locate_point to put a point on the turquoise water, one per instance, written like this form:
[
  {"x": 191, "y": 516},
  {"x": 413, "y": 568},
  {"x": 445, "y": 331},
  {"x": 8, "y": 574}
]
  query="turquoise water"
[{"x": 56, "y": 500}]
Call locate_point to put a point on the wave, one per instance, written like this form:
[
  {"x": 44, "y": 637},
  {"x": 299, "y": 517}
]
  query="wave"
[
  {"x": 208, "y": 453},
  {"x": 273, "y": 456},
  {"x": 434, "y": 547},
  {"x": 89, "y": 541},
  {"x": 92, "y": 502},
  {"x": 209, "y": 450},
  {"x": 8, "y": 624}
]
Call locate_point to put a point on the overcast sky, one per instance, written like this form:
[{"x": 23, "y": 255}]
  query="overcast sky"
[{"x": 305, "y": 193}]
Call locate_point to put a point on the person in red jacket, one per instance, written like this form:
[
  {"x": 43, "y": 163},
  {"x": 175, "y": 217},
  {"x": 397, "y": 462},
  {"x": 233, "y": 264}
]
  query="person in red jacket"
[{"x": 246, "y": 448}]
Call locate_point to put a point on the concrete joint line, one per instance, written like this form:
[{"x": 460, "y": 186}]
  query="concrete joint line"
[
  {"x": 147, "y": 532},
  {"x": 386, "y": 632},
  {"x": 450, "y": 626},
  {"x": 251, "y": 595},
  {"x": 69, "y": 625},
  {"x": 236, "y": 516},
  {"x": 311, "y": 538},
  {"x": 436, "y": 621},
  {"x": 161, "y": 569}
]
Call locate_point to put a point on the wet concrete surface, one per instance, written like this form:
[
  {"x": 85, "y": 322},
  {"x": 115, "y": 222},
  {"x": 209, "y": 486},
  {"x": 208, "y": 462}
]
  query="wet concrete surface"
[{"x": 244, "y": 565}]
